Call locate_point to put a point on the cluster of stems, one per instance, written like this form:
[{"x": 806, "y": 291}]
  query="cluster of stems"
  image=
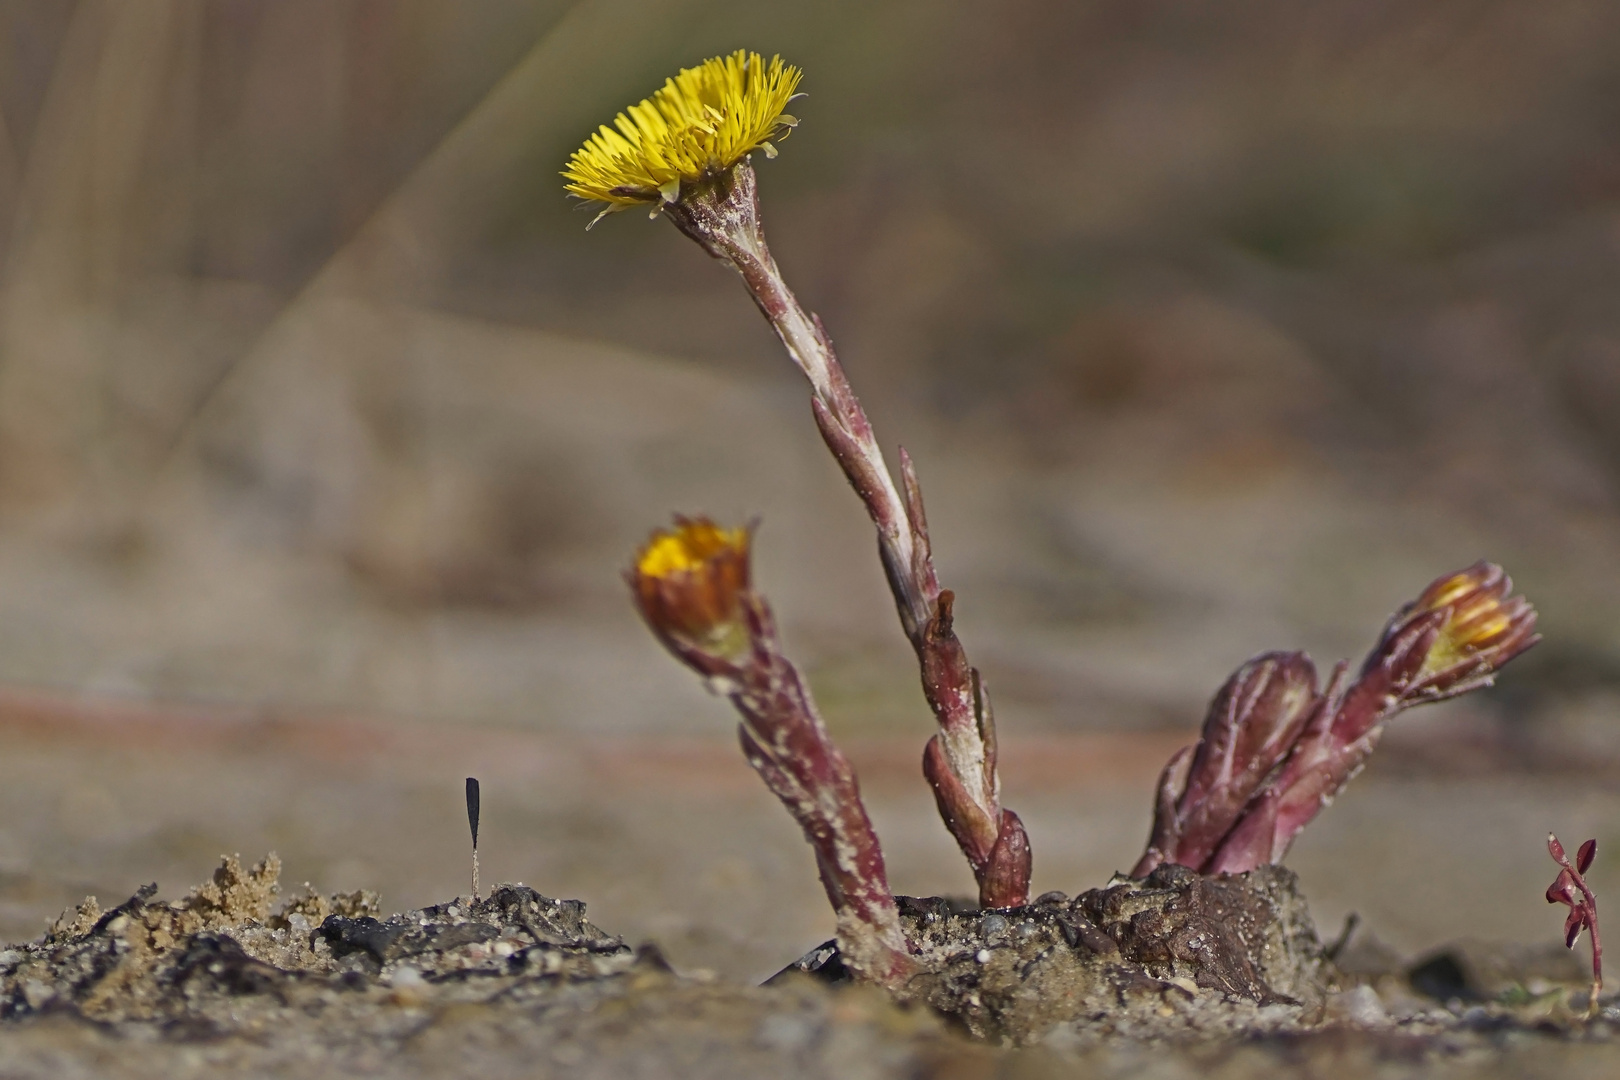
[
  {"x": 721, "y": 213},
  {"x": 1275, "y": 750}
]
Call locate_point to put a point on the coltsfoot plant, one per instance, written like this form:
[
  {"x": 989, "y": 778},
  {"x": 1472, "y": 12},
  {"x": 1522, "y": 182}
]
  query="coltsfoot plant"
[{"x": 1275, "y": 749}]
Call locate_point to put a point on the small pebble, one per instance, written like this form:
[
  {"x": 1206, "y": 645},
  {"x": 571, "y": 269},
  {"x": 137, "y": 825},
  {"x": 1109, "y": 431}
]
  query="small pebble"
[
  {"x": 1277, "y": 1014},
  {"x": 983, "y": 956},
  {"x": 407, "y": 978},
  {"x": 786, "y": 1033},
  {"x": 37, "y": 993},
  {"x": 1359, "y": 1005}
]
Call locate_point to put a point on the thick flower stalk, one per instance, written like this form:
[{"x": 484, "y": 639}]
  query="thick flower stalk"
[
  {"x": 1570, "y": 888},
  {"x": 1275, "y": 751},
  {"x": 724, "y": 108},
  {"x": 692, "y": 585}
]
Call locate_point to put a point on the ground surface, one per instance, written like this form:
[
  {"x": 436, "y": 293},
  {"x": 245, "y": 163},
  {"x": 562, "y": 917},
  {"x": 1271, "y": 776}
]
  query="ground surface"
[
  {"x": 672, "y": 842},
  {"x": 227, "y": 980}
]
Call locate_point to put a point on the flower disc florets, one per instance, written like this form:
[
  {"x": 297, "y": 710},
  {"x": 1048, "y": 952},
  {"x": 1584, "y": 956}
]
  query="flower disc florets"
[{"x": 701, "y": 123}]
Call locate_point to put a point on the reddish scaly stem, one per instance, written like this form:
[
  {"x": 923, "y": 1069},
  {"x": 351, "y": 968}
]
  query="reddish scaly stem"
[
  {"x": 1570, "y": 888},
  {"x": 703, "y": 608},
  {"x": 786, "y": 742},
  {"x": 722, "y": 215},
  {"x": 1251, "y": 727},
  {"x": 1333, "y": 748}
]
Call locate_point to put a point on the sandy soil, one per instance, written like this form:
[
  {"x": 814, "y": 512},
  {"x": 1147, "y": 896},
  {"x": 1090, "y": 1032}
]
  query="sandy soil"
[{"x": 674, "y": 842}]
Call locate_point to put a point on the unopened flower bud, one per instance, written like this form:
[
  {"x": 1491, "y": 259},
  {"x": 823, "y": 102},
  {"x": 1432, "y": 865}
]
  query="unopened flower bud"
[
  {"x": 1482, "y": 628},
  {"x": 690, "y": 583}
]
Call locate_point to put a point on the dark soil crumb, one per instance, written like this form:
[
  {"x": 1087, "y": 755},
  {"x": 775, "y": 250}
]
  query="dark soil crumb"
[{"x": 1172, "y": 977}]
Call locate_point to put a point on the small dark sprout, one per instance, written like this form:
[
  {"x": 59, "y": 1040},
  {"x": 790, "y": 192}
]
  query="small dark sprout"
[{"x": 472, "y": 822}]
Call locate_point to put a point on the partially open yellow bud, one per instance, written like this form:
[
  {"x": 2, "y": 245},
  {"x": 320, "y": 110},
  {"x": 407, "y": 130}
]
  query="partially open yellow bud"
[
  {"x": 1486, "y": 622},
  {"x": 690, "y": 582}
]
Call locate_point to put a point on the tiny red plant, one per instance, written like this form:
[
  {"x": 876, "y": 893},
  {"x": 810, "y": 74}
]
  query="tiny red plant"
[{"x": 1570, "y": 888}]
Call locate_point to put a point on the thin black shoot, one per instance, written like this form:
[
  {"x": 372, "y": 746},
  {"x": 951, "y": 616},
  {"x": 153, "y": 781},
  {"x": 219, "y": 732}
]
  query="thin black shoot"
[{"x": 472, "y": 822}]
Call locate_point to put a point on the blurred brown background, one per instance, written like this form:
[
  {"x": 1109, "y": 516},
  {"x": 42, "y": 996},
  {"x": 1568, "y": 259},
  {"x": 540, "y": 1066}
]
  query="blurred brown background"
[{"x": 326, "y": 432}]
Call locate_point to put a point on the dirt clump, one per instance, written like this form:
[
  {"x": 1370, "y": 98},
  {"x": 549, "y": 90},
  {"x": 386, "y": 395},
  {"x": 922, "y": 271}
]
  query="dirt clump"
[
  {"x": 223, "y": 982},
  {"x": 175, "y": 962},
  {"x": 1174, "y": 954}
]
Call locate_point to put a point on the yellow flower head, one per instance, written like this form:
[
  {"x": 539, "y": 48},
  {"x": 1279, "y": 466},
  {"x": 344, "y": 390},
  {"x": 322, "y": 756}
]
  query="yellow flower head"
[
  {"x": 702, "y": 122},
  {"x": 690, "y": 582}
]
